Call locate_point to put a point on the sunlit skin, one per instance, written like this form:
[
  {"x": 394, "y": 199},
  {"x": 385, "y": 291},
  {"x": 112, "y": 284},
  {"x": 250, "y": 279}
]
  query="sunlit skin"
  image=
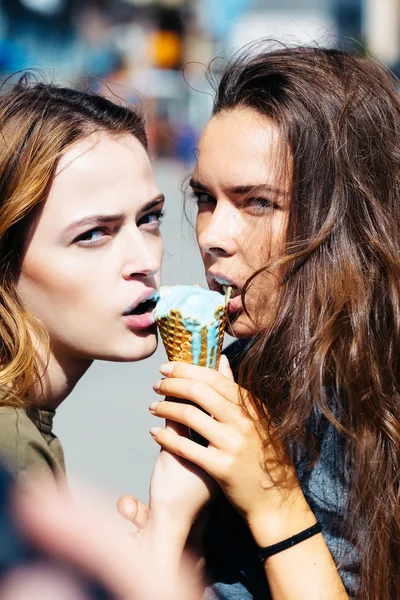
[
  {"x": 243, "y": 209},
  {"x": 94, "y": 252}
]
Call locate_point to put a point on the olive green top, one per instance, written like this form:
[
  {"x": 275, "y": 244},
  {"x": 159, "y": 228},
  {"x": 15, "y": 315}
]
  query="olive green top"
[{"x": 27, "y": 443}]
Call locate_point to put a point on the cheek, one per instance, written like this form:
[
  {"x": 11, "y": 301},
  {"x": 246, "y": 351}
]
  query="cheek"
[
  {"x": 254, "y": 245},
  {"x": 264, "y": 242},
  {"x": 279, "y": 233},
  {"x": 201, "y": 224},
  {"x": 157, "y": 248},
  {"x": 45, "y": 286},
  {"x": 159, "y": 252}
]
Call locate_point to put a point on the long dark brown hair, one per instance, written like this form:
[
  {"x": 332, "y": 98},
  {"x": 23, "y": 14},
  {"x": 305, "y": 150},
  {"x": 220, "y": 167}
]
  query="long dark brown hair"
[
  {"x": 334, "y": 346},
  {"x": 38, "y": 123}
]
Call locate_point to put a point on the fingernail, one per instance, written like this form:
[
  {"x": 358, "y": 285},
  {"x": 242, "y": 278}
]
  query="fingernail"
[
  {"x": 153, "y": 406},
  {"x": 157, "y": 385},
  {"x": 154, "y": 430},
  {"x": 166, "y": 369},
  {"x": 128, "y": 509}
]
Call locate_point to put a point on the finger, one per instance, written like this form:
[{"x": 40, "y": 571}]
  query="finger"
[
  {"x": 221, "y": 384},
  {"x": 174, "y": 427},
  {"x": 185, "y": 448},
  {"x": 225, "y": 368},
  {"x": 198, "y": 392},
  {"x": 131, "y": 509},
  {"x": 192, "y": 417}
]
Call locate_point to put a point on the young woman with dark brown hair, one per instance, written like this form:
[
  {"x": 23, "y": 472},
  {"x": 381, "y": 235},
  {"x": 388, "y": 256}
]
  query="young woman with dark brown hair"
[
  {"x": 297, "y": 183},
  {"x": 80, "y": 254}
]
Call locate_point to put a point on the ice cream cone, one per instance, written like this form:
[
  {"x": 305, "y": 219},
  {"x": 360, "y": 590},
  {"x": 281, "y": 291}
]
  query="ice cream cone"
[
  {"x": 187, "y": 340},
  {"x": 194, "y": 332}
]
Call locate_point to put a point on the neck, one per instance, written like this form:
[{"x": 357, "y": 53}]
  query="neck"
[{"x": 62, "y": 373}]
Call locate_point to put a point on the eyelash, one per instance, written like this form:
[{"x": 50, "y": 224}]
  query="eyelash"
[
  {"x": 260, "y": 203},
  {"x": 82, "y": 241},
  {"x": 159, "y": 214},
  {"x": 97, "y": 242},
  {"x": 198, "y": 195}
]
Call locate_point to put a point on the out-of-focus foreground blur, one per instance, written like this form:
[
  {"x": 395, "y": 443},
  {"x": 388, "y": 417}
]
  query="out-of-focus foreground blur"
[{"x": 155, "y": 53}]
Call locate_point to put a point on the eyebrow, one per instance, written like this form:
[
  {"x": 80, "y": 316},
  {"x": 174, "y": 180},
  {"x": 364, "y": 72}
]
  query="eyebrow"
[
  {"x": 103, "y": 219},
  {"x": 259, "y": 188}
]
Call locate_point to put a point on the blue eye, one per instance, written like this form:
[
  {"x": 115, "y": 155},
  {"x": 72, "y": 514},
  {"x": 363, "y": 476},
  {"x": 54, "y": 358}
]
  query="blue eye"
[
  {"x": 262, "y": 204},
  {"x": 152, "y": 218},
  {"x": 92, "y": 237}
]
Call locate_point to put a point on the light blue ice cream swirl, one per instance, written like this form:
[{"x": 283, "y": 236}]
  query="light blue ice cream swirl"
[{"x": 197, "y": 307}]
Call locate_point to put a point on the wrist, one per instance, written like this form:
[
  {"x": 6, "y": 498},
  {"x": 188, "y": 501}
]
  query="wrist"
[
  {"x": 161, "y": 551},
  {"x": 294, "y": 540},
  {"x": 164, "y": 530},
  {"x": 290, "y": 515},
  {"x": 163, "y": 546}
]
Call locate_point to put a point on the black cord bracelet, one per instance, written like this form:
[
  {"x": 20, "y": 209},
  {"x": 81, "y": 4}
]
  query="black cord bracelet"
[{"x": 264, "y": 553}]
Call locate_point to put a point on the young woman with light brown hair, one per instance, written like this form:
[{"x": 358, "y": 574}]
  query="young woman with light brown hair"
[
  {"x": 297, "y": 184},
  {"x": 80, "y": 253}
]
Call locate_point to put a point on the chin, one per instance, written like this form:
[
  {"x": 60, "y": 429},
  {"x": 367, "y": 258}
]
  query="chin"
[
  {"x": 242, "y": 327},
  {"x": 140, "y": 348}
]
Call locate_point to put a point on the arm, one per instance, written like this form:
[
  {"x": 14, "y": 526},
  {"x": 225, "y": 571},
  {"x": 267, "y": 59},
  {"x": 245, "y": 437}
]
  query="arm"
[
  {"x": 269, "y": 499},
  {"x": 178, "y": 492}
]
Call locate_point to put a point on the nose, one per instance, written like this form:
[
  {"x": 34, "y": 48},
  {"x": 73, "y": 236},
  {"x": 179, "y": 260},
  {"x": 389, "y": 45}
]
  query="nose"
[
  {"x": 143, "y": 260},
  {"x": 217, "y": 232}
]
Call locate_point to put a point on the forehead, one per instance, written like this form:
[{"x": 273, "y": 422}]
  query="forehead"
[
  {"x": 101, "y": 155},
  {"x": 98, "y": 173},
  {"x": 239, "y": 145}
]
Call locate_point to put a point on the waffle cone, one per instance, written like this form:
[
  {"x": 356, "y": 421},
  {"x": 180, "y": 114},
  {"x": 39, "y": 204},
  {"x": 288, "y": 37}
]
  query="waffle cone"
[{"x": 177, "y": 339}]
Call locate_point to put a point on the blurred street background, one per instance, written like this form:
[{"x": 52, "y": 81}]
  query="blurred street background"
[{"x": 154, "y": 53}]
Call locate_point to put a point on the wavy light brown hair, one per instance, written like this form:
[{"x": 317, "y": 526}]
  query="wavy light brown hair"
[
  {"x": 38, "y": 123},
  {"x": 334, "y": 346}
]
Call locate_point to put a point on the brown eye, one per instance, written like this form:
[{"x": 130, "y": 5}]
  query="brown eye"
[{"x": 202, "y": 198}]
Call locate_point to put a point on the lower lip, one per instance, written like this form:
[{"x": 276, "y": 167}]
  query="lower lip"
[
  {"x": 143, "y": 321},
  {"x": 235, "y": 305}
]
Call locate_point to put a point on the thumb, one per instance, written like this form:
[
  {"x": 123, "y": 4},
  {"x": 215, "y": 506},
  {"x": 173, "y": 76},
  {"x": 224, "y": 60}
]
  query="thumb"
[
  {"x": 224, "y": 367},
  {"x": 133, "y": 510}
]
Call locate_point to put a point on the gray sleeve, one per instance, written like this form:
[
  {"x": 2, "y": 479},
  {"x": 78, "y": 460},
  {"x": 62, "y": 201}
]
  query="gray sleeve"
[{"x": 327, "y": 494}]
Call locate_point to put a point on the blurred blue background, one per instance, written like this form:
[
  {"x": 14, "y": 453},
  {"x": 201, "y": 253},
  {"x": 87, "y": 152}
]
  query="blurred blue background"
[
  {"x": 139, "y": 47},
  {"x": 154, "y": 53}
]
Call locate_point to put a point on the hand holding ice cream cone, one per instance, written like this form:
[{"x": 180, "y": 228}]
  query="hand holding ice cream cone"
[{"x": 191, "y": 321}]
